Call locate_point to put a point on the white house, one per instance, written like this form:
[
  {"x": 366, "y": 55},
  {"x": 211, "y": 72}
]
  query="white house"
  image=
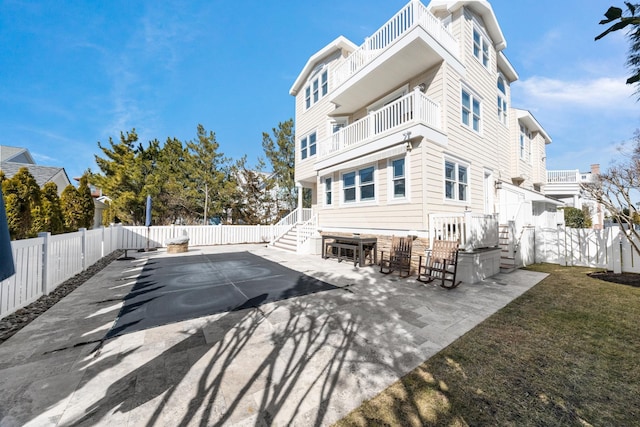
[
  {"x": 566, "y": 185},
  {"x": 12, "y": 159},
  {"x": 413, "y": 133}
]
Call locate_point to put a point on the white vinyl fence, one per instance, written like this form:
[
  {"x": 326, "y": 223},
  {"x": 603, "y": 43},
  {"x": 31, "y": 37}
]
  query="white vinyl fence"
[{"x": 45, "y": 262}]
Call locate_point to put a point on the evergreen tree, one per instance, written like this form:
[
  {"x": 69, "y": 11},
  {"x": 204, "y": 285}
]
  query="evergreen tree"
[
  {"x": 87, "y": 205},
  {"x": 22, "y": 200},
  {"x": 280, "y": 151},
  {"x": 72, "y": 209},
  {"x": 50, "y": 218}
]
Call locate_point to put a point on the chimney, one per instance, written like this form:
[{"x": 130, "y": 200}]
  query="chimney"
[{"x": 595, "y": 169}]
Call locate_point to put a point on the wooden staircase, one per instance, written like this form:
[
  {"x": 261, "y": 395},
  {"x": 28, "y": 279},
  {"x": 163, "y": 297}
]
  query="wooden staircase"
[
  {"x": 508, "y": 251},
  {"x": 288, "y": 241}
]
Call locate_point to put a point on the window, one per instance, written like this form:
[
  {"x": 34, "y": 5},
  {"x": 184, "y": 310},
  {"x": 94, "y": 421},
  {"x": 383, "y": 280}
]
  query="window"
[
  {"x": 525, "y": 144},
  {"x": 328, "y": 192},
  {"x": 359, "y": 186},
  {"x": 480, "y": 48},
  {"x": 502, "y": 101},
  {"x": 317, "y": 88},
  {"x": 398, "y": 178},
  {"x": 367, "y": 188},
  {"x": 349, "y": 186},
  {"x": 470, "y": 111},
  {"x": 456, "y": 181},
  {"x": 308, "y": 146}
]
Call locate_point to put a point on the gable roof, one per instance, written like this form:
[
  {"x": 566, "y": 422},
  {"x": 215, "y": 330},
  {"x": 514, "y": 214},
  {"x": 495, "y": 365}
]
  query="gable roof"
[
  {"x": 482, "y": 8},
  {"x": 338, "y": 44},
  {"x": 8, "y": 154},
  {"x": 42, "y": 174},
  {"x": 527, "y": 118}
]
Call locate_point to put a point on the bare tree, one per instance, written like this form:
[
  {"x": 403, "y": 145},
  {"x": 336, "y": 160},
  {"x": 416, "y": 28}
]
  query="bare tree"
[{"x": 615, "y": 190}]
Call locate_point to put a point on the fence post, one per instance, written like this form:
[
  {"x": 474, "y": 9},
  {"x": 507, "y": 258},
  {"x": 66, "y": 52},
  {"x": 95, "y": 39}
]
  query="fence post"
[
  {"x": 616, "y": 249},
  {"x": 469, "y": 242},
  {"x": 83, "y": 245},
  {"x": 102, "y": 241},
  {"x": 45, "y": 262}
]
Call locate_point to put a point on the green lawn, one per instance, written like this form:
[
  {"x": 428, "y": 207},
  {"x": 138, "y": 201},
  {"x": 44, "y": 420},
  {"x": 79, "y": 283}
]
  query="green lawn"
[{"x": 565, "y": 353}]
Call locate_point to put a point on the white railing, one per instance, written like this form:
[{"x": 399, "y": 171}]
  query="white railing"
[
  {"x": 288, "y": 222},
  {"x": 412, "y": 108},
  {"x": 472, "y": 231},
  {"x": 306, "y": 230},
  {"x": 412, "y": 15},
  {"x": 568, "y": 177}
]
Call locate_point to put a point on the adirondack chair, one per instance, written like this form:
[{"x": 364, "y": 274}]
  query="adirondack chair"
[
  {"x": 398, "y": 257},
  {"x": 441, "y": 264}
]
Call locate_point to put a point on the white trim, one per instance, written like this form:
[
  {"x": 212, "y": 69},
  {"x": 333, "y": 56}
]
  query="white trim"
[
  {"x": 458, "y": 162},
  {"x": 371, "y": 158},
  {"x": 358, "y": 184},
  {"x": 398, "y": 93},
  {"x": 391, "y": 199},
  {"x": 473, "y": 95}
]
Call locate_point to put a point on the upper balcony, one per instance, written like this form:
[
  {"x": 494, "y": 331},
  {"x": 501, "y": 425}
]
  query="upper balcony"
[
  {"x": 408, "y": 117},
  {"x": 566, "y": 182},
  {"x": 411, "y": 42}
]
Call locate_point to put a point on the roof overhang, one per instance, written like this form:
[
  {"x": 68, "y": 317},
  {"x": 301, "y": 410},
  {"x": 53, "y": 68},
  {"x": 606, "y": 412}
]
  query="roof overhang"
[
  {"x": 341, "y": 43},
  {"x": 506, "y": 68},
  {"x": 525, "y": 117},
  {"x": 480, "y": 7}
]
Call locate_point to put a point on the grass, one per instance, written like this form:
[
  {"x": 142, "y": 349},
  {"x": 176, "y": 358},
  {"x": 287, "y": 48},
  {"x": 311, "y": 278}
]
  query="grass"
[{"x": 565, "y": 353}]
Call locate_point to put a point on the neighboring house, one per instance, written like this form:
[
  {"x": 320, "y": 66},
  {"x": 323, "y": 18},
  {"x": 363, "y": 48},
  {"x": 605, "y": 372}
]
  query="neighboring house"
[
  {"x": 12, "y": 159},
  {"x": 566, "y": 185},
  {"x": 413, "y": 133}
]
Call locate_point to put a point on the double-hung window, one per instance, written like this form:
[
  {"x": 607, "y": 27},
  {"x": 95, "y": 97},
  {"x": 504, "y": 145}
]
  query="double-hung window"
[
  {"x": 328, "y": 192},
  {"x": 470, "y": 110},
  {"x": 359, "y": 186},
  {"x": 317, "y": 88},
  {"x": 480, "y": 48},
  {"x": 525, "y": 144},
  {"x": 502, "y": 101},
  {"x": 308, "y": 146},
  {"x": 398, "y": 178},
  {"x": 456, "y": 181}
]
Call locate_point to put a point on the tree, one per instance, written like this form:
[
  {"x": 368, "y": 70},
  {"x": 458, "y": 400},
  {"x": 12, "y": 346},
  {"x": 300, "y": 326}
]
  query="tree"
[
  {"x": 256, "y": 204},
  {"x": 50, "y": 218},
  {"x": 615, "y": 189},
  {"x": 22, "y": 201},
  {"x": 577, "y": 218},
  {"x": 280, "y": 151},
  {"x": 72, "y": 211},
  {"x": 619, "y": 21},
  {"x": 126, "y": 176},
  {"x": 87, "y": 205}
]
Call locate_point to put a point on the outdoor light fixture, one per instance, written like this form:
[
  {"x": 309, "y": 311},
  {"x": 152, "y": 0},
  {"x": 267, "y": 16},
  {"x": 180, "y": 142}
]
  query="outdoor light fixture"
[
  {"x": 407, "y": 139},
  {"x": 498, "y": 185}
]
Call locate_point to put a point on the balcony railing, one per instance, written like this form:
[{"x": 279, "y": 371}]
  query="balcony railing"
[
  {"x": 412, "y": 108},
  {"x": 568, "y": 177},
  {"x": 412, "y": 15}
]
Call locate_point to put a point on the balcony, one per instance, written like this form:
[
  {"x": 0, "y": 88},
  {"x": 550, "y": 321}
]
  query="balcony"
[
  {"x": 411, "y": 42},
  {"x": 413, "y": 114},
  {"x": 566, "y": 182}
]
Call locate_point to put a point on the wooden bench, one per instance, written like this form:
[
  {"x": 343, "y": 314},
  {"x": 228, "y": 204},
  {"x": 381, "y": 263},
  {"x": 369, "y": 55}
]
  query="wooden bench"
[
  {"x": 334, "y": 250},
  {"x": 441, "y": 264}
]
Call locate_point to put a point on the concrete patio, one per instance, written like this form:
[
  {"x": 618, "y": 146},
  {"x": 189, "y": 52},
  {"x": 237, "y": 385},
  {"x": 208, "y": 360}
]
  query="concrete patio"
[{"x": 307, "y": 360}]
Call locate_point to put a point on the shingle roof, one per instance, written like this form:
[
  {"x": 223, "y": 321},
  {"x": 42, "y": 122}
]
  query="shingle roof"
[
  {"x": 42, "y": 174},
  {"x": 7, "y": 153}
]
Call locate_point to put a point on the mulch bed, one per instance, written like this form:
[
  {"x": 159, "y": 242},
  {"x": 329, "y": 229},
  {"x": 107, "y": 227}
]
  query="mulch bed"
[
  {"x": 12, "y": 323},
  {"x": 629, "y": 279}
]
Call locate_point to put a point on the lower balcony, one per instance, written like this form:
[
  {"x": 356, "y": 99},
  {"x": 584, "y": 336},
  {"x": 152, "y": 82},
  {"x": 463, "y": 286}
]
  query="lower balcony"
[{"x": 406, "y": 118}]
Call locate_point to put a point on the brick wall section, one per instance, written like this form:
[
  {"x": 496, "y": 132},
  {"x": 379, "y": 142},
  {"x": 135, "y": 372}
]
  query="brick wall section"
[{"x": 384, "y": 244}]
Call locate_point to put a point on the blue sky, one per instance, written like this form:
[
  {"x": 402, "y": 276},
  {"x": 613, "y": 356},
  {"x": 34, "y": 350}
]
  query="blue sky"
[{"x": 77, "y": 72}]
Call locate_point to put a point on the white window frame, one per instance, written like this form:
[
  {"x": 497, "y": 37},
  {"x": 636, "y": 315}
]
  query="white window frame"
[
  {"x": 470, "y": 111},
  {"x": 327, "y": 186},
  {"x": 524, "y": 143},
  {"x": 358, "y": 186},
  {"x": 480, "y": 48},
  {"x": 305, "y": 145},
  {"x": 457, "y": 164},
  {"x": 503, "y": 107},
  {"x": 392, "y": 198},
  {"x": 317, "y": 87}
]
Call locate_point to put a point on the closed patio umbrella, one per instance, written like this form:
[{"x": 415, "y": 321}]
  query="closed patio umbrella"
[{"x": 7, "y": 269}]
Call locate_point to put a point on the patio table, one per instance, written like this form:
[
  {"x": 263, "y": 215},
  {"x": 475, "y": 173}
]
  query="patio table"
[{"x": 357, "y": 243}]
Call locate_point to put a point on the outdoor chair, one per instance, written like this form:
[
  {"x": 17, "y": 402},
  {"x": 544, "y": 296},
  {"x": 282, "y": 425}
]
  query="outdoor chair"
[
  {"x": 398, "y": 258},
  {"x": 441, "y": 264}
]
